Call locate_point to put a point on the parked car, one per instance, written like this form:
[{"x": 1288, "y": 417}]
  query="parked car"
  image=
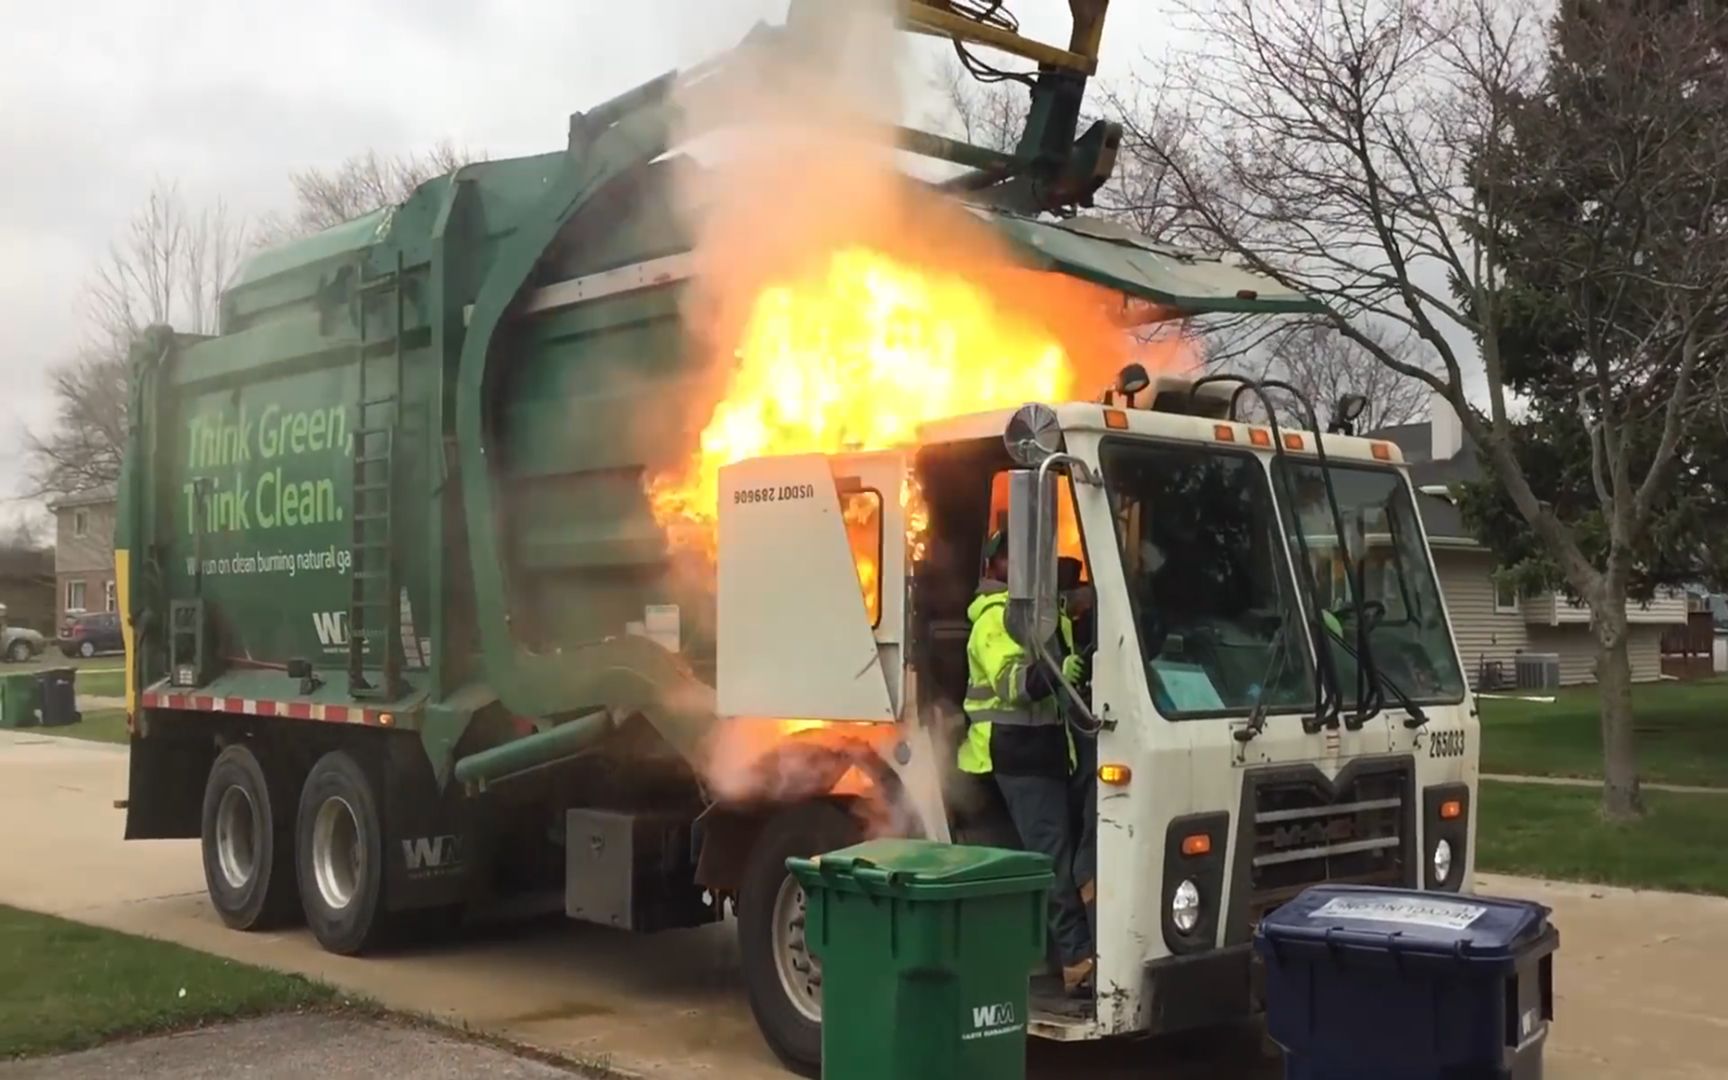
[
  {"x": 20, "y": 643},
  {"x": 97, "y": 632}
]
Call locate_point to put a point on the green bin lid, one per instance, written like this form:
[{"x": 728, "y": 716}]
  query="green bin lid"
[{"x": 924, "y": 869}]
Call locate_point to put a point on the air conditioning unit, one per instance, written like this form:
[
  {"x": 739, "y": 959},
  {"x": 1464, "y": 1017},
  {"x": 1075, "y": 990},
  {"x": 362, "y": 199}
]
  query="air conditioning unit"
[{"x": 1538, "y": 671}]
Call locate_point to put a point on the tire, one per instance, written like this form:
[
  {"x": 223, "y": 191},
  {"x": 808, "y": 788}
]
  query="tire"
[
  {"x": 87, "y": 649},
  {"x": 248, "y": 844},
  {"x": 339, "y": 855},
  {"x": 802, "y": 830},
  {"x": 18, "y": 652}
]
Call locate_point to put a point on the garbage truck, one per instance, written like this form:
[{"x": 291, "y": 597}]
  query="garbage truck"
[{"x": 405, "y": 637}]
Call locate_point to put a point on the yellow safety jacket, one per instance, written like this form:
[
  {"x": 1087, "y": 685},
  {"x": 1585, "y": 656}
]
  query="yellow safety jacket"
[{"x": 996, "y": 680}]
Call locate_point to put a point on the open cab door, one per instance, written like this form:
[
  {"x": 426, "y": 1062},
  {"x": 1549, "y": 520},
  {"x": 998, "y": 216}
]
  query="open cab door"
[{"x": 812, "y": 572}]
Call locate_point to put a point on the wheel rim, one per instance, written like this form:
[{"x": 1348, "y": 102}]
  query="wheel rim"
[
  {"x": 236, "y": 836},
  {"x": 338, "y": 857},
  {"x": 799, "y": 969},
  {"x": 87, "y": 650}
]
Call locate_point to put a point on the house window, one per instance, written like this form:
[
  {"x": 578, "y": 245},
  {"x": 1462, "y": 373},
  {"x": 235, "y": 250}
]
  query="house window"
[
  {"x": 109, "y": 600},
  {"x": 1505, "y": 597},
  {"x": 80, "y": 523},
  {"x": 74, "y": 596}
]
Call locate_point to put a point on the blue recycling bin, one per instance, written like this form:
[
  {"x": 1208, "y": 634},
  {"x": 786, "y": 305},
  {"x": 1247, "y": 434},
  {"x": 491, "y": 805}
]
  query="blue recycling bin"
[{"x": 1367, "y": 983}]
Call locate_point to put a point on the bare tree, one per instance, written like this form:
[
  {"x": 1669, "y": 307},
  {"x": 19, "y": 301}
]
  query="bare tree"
[
  {"x": 358, "y": 186},
  {"x": 1369, "y": 153},
  {"x": 987, "y": 114},
  {"x": 1324, "y": 366},
  {"x": 169, "y": 266}
]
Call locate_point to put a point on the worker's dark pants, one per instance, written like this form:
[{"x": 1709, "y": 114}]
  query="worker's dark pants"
[{"x": 1042, "y": 811}]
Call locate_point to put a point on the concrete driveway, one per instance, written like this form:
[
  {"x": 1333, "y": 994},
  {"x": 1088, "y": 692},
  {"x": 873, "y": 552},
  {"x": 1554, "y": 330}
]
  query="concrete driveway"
[{"x": 1638, "y": 972}]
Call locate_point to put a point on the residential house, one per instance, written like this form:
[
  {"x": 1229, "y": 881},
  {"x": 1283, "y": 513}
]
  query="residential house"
[
  {"x": 1493, "y": 623},
  {"x": 84, "y": 552},
  {"x": 27, "y": 587}
]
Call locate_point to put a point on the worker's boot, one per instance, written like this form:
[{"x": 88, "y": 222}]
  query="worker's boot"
[{"x": 1077, "y": 978}]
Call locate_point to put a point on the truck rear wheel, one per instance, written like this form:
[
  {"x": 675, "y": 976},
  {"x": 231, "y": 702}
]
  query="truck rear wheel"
[
  {"x": 339, "y": 855},
  {"x": 781, "y": 975},
  {"x": 247, "y": 844}
]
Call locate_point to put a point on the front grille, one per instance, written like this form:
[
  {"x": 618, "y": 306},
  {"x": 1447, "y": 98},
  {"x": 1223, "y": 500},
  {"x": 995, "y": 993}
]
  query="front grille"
[{"x": 1308, "y": 830}]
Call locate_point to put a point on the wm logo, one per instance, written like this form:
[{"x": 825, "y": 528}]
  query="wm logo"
[
  {"x": 990, "y": 1016},
  {"x": 431, "y": 852},
  {"x": 332, "y": 627}
]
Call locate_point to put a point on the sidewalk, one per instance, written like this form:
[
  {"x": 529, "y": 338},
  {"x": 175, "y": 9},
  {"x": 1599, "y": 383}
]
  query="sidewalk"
[{"x": 1578, "y": 781}]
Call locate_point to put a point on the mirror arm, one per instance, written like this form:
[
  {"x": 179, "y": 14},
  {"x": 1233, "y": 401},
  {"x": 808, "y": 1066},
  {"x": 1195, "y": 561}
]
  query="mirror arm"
[{"x": 1078, "y": 471}]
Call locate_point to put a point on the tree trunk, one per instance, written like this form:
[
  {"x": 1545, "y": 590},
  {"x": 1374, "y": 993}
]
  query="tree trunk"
[{"x": 1621, "y": 798}]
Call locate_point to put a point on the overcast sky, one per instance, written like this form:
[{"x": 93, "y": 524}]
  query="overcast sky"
[{"x": 99, "y": 98}]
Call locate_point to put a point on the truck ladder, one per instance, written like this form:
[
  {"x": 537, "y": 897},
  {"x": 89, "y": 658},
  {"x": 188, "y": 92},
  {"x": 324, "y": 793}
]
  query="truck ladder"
[{"x": 374, "y": 629}]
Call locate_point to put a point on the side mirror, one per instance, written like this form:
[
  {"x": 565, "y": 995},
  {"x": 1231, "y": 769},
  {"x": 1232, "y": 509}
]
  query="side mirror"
[{"x": 1032, "y": 587}]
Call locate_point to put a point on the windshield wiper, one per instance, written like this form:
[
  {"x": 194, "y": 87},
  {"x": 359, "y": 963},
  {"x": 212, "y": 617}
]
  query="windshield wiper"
[
  {"x": 1274, "y": 671},
  {"x": 1417, "y": 717}
]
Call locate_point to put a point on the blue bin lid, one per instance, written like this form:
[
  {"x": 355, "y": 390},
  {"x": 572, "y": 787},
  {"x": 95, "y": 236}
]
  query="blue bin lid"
[{"x": 1407, "y": 921}]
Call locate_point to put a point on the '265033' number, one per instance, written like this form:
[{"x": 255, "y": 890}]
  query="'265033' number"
[{"x": 1446, "y": 744}]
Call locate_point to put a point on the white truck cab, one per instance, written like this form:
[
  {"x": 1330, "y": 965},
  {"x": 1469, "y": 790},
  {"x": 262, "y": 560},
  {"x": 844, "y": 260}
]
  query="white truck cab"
[{"x": 1275, "y": 693}]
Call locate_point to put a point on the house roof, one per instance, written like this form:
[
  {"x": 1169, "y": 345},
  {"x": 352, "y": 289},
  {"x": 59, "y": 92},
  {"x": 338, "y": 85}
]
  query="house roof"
[
  {"x": 1413, "y": 439},
  {"x": 1444, "y": 523},
  {"x": 1416, "y": 441},
  {"x": 95, "y": 496}
]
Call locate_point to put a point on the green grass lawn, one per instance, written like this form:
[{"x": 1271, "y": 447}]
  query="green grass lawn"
[
  {"x": 102, "y": 683},
  {"x": 101, "y": 725},
  {"x": 1556, "y": 832},
  {"x": 64, "y": 986},
  {"x": 1682, "y": 730}
]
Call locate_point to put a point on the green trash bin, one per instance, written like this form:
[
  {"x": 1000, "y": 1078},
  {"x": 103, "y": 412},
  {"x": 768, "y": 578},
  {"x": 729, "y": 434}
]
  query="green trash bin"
[
  {"x": 926, "y": 950},
  {"x": 20, "y": 699}
]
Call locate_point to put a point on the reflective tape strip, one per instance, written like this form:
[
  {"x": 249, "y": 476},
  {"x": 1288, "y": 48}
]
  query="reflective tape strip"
[
  {"x": 1015, "y": 717},
  {"x": 295, "y": 710}
]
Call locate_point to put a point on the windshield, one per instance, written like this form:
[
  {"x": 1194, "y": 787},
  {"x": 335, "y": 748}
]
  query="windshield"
[
  {"x": 1211, "y": 595},
  {"x": 1407, "y": 632}
]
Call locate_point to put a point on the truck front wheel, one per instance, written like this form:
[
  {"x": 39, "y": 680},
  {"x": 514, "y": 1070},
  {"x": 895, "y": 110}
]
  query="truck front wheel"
[
  {"x": 781, "y": 974},
  {"x": 248, "y": 849},
  {"x": 339, "y": 853}
]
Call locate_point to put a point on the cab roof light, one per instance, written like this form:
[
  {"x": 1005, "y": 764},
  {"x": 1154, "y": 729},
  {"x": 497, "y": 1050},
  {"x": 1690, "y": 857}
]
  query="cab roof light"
[
  {"x": 1293, "y": 441},
  {"x": 1115, "y": 419},
  {"x": 1260, "y": 437},
  {"x": 1224, "y": 432},
  {"x": 1382, "y": 451}
]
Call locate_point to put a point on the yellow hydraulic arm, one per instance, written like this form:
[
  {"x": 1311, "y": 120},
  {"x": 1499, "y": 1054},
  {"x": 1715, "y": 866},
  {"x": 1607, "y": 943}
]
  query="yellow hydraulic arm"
[{"x": 943, "y": 18}]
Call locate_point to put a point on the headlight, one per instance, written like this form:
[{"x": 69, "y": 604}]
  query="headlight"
[
  {"x": 1442, "y": 861},
  {"x": 1185, "y": 907}
]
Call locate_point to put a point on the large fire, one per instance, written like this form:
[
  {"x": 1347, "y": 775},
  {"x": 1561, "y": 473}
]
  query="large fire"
[{"x": 856, "y": 357}]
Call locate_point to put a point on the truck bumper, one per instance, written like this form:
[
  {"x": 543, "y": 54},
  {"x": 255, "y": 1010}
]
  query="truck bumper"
[{"x": 1200, "y": 990}]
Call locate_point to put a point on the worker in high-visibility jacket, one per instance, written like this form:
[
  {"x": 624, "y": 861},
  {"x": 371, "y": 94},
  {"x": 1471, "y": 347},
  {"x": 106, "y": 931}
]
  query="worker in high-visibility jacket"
[{"x": 1018, "y": 736}]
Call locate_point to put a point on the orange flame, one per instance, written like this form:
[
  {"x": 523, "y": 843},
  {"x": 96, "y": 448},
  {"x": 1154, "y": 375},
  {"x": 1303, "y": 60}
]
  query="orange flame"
[
  {"x": 857, "y": 357},
  {"x": 848, "y": 307}
]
